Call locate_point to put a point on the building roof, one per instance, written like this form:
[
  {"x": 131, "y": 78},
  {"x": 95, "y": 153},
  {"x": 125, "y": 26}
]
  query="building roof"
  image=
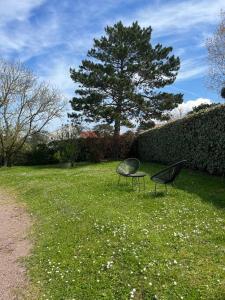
[{"x": 88, "y": 134}]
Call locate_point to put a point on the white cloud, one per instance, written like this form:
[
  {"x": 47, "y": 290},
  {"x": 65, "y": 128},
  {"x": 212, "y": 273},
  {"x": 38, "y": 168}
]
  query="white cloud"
[
  {"x": 22, "y": 39},
  {"x": 179, "y": 22},
  {"x": 56, "y": 71},
  {"x": 191, "y": 73},
  {"x": 20, "y": 10},
  {"x": 180, "y": 16},
  {"x": 29, "y": 41},
  {"x": 187, "y": 106},
  {"x": 192, "y": 68}
]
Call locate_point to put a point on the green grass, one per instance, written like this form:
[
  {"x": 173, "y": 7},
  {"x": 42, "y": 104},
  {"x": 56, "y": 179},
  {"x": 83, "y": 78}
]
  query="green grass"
[{"x": 95, "y": 240}]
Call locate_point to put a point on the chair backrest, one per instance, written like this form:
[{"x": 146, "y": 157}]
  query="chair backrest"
[
  {"x": 128, "y": 166},
  {"x": 169, "y": 174},
  {"x": 175, "y": 169}
]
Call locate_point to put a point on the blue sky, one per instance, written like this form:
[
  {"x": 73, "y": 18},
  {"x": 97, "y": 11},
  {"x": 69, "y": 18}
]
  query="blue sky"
[{"x": 51, "y": 36}]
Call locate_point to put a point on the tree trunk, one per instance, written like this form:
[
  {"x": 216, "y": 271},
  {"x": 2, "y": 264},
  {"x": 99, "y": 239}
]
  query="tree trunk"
[
  {"x": 116, "y": 139},
  {"x": 5, "y": 161}
]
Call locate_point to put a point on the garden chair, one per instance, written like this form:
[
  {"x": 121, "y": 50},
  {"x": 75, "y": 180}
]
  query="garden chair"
[
  {"x": 127, "y": 167},
  {"x": 168, "y": 175}
]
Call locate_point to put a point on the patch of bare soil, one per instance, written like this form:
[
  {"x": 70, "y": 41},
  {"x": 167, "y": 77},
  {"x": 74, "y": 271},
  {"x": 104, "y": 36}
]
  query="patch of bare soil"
[{"x": 14, "y": 246}]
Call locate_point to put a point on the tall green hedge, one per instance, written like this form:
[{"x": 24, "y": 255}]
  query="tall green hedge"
[{"x": 198, "y": 138}]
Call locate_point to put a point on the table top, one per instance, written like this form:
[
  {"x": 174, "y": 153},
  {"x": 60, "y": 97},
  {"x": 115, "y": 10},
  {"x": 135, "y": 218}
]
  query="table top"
[{"x": 138, "y": 174}]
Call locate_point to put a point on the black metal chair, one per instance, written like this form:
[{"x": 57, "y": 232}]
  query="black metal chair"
[
  {"x": 127, "y": 167},
  {"x": 168, "y": 175}
]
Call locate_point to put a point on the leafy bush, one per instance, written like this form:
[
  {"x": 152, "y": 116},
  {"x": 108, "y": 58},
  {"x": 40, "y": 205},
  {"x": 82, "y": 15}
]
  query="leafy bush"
[
  {"x": 81, "y": 149},
  {"x": 42, "y": 154},
  {"x": 97, "y": 149},
  {"x": 199, "y": 138}
]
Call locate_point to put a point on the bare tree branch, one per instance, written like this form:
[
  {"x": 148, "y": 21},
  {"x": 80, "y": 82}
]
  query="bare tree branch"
[
  {"x": 26, "y": 106},
  {"x": 216, "y": 57}
]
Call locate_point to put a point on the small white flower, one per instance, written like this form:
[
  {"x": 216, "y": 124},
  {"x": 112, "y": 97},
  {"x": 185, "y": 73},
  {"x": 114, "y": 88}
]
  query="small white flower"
[
  {"x": 109, "y": 264},
  {"x": 132, "y": 293}
]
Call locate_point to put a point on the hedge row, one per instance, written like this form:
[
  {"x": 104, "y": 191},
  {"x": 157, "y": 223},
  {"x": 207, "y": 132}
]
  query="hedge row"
[
  {"x": 198, "y": 138},
  {"x": 74, "y": 150}
]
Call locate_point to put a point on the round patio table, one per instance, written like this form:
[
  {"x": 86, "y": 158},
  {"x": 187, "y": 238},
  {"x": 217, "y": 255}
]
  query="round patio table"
[{"x": 136, "y": 179}]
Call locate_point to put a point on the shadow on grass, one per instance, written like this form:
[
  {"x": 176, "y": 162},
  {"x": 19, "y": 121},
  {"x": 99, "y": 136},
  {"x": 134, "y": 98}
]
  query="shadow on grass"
[
  {"x": 125, "y": 185},
  {"x": 62, "y": 166},
  {"x": 67, "y": 165},
  {"x": 209, "y": 188}
]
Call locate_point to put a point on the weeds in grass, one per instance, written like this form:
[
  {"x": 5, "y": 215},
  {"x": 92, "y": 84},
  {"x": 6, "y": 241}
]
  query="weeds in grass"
[{"x": 96, "y": 240}]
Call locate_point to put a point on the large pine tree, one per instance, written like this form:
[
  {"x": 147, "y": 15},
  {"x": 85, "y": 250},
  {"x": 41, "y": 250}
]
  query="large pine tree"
[{"x": 120, "y": 81}]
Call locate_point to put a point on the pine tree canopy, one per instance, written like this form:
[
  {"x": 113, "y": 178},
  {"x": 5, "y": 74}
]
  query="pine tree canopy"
[{"x": 120, "y": 82}]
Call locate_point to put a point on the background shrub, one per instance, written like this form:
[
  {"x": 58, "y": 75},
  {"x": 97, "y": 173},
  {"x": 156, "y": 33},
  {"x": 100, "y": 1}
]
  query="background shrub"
[
  {"x": 102, "y": 148},
  {"x": 199, "y": 138},
  {"x": 42, "y": 154},
  {"x": 80, "y": 149}
]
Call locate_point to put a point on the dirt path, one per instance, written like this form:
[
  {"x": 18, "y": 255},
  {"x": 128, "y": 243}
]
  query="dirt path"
[{"x": 14, "y": 245}]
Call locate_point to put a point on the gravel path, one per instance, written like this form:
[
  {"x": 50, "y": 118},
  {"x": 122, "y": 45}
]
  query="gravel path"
[{"x": 14, "y": 245}]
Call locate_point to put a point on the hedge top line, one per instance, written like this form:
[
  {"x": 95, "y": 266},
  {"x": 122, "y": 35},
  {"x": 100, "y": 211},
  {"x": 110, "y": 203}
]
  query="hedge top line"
[{"x": 186, "y": 118}]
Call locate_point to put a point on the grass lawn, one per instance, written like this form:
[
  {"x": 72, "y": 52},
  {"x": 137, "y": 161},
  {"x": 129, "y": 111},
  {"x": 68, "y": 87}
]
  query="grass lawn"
[{"x": 95, "y": 240}]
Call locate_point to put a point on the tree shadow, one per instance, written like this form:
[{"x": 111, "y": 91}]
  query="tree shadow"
[
  {"x": 209, "y": 188},
  {"x": 77, "y": 165}
]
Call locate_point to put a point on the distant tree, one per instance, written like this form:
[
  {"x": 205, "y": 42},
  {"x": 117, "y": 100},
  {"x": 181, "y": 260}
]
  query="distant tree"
[
  {"x": 69, "y": 152},
  {"x": 118, "y": 81},
  {"x": 103, "y": 130},
  {"x": 38, "y": 138},
  {"x": 146, "y": 126},
  {"x": 129, "y": 133},
  {"x": 26, "y": 107},
  {"x": 201, "y": 107},
  {"x": 223, "y": 92},
  {"x": 216, "y": 57},
  {"x": 177, "y": 113},
  {"x": 68, "y": 131}
]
